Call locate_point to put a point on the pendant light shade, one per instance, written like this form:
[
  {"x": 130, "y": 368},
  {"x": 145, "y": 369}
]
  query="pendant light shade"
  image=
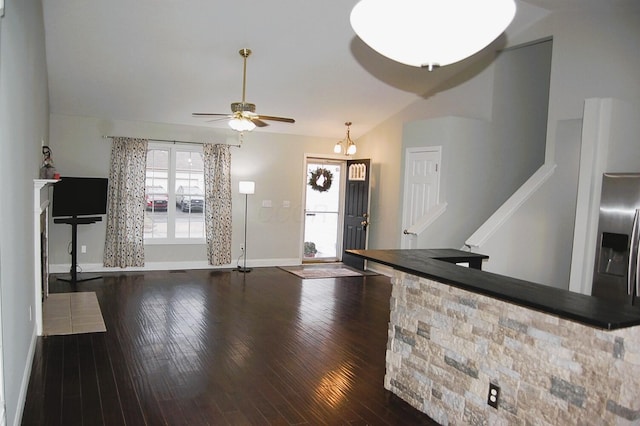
[{"x": 430, "y": 33}]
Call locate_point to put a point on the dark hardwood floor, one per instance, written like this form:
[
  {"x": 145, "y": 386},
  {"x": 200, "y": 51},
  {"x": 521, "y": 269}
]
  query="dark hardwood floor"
[{"x": 222, "y": 348}]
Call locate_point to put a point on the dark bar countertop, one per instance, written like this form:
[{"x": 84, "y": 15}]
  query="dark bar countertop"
[{"x": 438, "y": 264}]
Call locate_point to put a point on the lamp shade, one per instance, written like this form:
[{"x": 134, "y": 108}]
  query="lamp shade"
[
  {"x": 428, "y": 33},
  {"x": 247, "y": 187}
]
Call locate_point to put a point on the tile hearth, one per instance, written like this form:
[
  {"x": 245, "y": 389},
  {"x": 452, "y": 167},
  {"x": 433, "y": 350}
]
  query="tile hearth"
[{"x": 72, "y": 313}]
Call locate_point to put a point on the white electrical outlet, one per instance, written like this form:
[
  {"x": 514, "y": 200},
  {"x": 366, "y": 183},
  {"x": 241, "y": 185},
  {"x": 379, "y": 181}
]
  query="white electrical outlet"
[
  {"x": 30, "y": 315},
  {"x": 241, "y": 247},
  {"x": 83, "y": 249},
  {"x": 494, "y": 395}
]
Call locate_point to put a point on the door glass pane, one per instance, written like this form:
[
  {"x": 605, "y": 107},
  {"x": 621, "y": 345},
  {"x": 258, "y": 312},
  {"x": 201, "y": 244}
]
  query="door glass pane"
[
  {"x": 189, "y": 195},
  {"x": 156, "y": 194},
  {"x": 322, "y": 209}
]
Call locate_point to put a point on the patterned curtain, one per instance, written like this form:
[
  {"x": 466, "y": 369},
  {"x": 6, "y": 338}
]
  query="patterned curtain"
[
  {"x": 217, "y": 199},
  {"x": 124, "y": 243}
]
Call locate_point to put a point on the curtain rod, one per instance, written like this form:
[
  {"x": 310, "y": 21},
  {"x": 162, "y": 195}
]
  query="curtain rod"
[{"x": 172, "y": 141}]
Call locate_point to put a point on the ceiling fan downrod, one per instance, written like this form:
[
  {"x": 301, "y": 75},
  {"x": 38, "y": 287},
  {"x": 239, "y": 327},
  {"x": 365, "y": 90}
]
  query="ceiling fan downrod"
[{"x": 245, "y": 54}]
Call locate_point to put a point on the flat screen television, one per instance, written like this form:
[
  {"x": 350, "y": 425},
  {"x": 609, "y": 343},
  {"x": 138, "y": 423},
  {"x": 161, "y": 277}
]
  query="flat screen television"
[{"x": 79, "y": 196}]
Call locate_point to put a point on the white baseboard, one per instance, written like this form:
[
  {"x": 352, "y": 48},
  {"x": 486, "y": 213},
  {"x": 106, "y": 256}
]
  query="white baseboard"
[
  {"x": 26, "y": 375},
  {"x": 62, "y": 268}
]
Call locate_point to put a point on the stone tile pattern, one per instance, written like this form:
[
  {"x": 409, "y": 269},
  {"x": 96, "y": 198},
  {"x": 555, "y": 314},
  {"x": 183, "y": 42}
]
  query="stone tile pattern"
[{"x": 446, "y": 345}]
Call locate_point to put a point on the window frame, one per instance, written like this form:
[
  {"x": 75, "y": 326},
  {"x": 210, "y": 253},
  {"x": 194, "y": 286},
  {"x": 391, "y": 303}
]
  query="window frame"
[{"x": 171, "y": 239}]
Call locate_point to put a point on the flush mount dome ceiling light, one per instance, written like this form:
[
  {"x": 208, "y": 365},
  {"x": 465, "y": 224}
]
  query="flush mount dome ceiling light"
[{"x": 430, "y": 33}]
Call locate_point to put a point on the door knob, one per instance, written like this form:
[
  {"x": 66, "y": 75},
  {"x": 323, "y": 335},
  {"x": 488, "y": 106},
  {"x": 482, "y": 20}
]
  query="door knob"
[{"x": 365, "y": 222}]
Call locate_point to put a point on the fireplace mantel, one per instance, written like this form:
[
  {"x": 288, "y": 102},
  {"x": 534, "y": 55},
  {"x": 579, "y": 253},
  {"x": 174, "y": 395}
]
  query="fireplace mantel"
[{"x": 40, "y": 245}]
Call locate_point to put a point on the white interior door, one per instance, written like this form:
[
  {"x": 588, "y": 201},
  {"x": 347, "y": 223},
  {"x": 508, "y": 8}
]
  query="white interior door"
[{"x": 421, "y": 188}]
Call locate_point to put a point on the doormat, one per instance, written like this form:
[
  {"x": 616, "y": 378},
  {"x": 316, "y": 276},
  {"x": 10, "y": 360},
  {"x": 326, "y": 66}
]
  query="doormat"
[
  {"x": 72, "y": 313},
  {"x": 323, "y": 271}
]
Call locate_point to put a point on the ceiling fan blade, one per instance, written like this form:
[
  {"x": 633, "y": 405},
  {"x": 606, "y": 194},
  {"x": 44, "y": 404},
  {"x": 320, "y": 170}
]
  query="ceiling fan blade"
[
  {"x": 258, "y": 122},
  {"x": 209, "y": 114},
  {"x": 283, "y": 119},
  {"x": 214, "y": 120}
]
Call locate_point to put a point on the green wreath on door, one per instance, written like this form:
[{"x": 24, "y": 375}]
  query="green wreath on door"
[{"x": 321, "y": 179}]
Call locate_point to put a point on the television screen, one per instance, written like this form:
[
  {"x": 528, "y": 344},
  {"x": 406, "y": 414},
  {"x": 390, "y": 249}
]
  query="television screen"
[{"x": 79, "y": 196}]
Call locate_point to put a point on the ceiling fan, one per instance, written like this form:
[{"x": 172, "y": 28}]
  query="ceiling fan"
[{"x": 243, "y": 115}]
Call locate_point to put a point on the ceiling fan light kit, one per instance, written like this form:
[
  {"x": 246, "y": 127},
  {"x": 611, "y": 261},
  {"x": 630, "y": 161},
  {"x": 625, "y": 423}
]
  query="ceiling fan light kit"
[
  {"x": 430, "y": 33},
  {"x": 241, "y": 124},
  {"x": 243, "y": 117}
]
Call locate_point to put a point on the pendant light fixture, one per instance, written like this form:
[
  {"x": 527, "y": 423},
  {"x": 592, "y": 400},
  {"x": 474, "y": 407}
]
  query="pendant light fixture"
[
  {"x": 347, "y": 144},
  {"x": 430, "y": 33}
]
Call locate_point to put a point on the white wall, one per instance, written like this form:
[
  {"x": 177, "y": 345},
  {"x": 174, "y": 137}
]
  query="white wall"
[
  {"x": 273, "y": 161},
  {"x": 484, "y": 162},
  {"x": 519, "y": 116},
  {"x": 23, "y": 125},
  {"x": 605, "y": 36},
  {"x": 624, "y": 137},
  {"x": 540, "y": 233},
  {"x": 466, "y": 170},
  {"x": 467, "y": 95},
  {"x": 594, "y": 55}
]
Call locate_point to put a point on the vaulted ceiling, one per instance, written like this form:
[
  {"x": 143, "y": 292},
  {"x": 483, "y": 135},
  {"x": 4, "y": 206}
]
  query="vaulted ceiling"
[{"x": 161, "y": 60}]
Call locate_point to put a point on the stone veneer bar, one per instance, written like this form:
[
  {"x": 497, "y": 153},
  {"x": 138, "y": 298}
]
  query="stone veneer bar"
[
  {"x": 447, "y": 344},
  {"x": 559, "y": 359}
]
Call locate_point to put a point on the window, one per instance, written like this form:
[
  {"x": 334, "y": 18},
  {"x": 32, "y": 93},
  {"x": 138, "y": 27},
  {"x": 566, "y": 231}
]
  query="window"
[{"x": 174, "y": 194}]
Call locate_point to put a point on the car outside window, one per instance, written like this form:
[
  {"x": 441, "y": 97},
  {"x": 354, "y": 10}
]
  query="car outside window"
[
  {"x": 190, "y": 199},
  {"x": 174, "y": 197},
  {"x": 156, "y": 198}
]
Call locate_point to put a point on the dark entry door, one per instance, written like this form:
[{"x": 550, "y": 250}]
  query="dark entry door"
[{"x": 356, "y": 212}]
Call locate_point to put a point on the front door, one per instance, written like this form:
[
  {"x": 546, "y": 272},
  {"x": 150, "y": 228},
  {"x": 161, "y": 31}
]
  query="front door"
[
  {"x": 356, "y": 212},
  {"x": 322, "y": 212}
]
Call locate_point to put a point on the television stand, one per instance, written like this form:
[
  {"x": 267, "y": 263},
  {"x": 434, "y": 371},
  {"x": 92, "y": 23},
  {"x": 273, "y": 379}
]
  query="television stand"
[{"x": 74, "y": 222}]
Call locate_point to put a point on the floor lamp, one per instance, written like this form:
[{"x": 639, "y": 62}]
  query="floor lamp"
[{"x": 246, "y": 188}]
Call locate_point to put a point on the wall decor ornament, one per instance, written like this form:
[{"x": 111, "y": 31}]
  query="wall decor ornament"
[
  {"x": 47, "y": 170},
  {"x": 321, "y": 179}
]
